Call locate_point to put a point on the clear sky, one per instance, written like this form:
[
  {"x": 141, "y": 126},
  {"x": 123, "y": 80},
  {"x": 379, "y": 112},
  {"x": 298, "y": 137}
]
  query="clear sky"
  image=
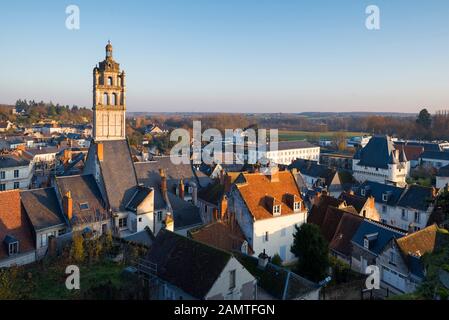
[{"x": 232, "y": 55}]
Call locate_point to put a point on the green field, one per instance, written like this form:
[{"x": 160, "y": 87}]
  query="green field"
[{"x": 308, "y": 135}]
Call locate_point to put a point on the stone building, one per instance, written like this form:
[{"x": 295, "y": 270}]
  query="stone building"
[{"x": 109, "y": 100}]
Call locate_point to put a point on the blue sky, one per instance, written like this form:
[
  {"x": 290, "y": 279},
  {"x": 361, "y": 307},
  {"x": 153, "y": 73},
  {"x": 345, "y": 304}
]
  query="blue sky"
[{"x": 236, "y": 56}]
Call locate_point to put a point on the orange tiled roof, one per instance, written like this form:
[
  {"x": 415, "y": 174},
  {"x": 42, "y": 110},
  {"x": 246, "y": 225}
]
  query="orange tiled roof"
[
  {"x": 258, "y": 186},
  {"x": 420, "y": 242},
  {"x": 13, "y": 222}
]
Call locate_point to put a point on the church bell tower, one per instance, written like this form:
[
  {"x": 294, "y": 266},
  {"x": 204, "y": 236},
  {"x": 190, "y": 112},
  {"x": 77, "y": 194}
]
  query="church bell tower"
[{"x": 109, "y": 100}]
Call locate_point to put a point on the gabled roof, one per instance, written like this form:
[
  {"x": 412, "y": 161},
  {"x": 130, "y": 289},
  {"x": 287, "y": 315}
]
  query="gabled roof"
[
  {"x": 225, "y": 235},
  {"x": 332, "y": 219},
  {"x": 357, "y": 202},
  {"x": 187, "y": 264},
  {"x": 185, "y": 214},
  {"x": 148, "y": 172},
  {"x": 11, "y": 161},
  {"x": 347, "y": 227},
  {"x": 256, "y": 187},
  {"x": 144, "y": 237},
  {"x": 84, "y": 190},
  {"x": 117, "y": 170},
  {"x": 212, "y": 193},
  {"x": 377, "y": 190},
  {"x": 420, "y": 242},
  {"x": 42, "y": 207},
  {"x": 318, "y": 211},
  {"x": 140, "y": 195},
  {"x": 435, "y": 155},
  {"x": 14, "y": 223},
  {"x": 277, "y": 281},
  {"x": 415, "y": 245},
  {"x": 378, "y": 153},
  {"x": 384, "y": 235},
  {"x": 313, "y": 169},
  {"x": 417, "y": 197}
]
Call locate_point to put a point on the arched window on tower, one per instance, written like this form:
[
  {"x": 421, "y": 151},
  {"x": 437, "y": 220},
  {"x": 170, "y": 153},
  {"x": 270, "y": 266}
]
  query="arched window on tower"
[
  {"x": 105, "y": 99},
  {"x": 110, "y": 81},
  {"x": 114, "y": 99}
]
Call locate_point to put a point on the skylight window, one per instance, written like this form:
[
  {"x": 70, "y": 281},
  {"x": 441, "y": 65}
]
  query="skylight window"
[{"x": 84, "y": 206}]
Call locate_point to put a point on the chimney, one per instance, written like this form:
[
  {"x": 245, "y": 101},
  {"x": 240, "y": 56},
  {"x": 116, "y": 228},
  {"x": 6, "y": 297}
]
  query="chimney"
[
  {"x": 169, "y": 223},
  {"x": 181, "y": 189},
  {"x": 163, "y": 183},
  {"x": 100, "y": 151},
  {"x": 222, "y": 176},
  {"x": 68, "y": 205},
  {"x": 273, "y": 174},
  {"x": 194, "y": 193},
  {"x": 215, "y": 214},
  {"x": 262, "y": 260},
  {"x": 223, "y": 206},
  {"x": 52, "y": 246}
]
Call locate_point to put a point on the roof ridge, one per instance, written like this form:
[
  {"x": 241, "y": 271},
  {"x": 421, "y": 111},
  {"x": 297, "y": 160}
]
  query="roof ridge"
[{"x": 388, "y": 227}]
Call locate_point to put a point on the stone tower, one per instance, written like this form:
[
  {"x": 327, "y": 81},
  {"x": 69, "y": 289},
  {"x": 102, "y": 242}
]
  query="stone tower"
[{"x": 109, "y": 100}]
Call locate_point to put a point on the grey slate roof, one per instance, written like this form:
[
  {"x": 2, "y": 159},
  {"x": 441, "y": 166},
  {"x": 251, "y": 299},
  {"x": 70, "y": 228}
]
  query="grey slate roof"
[
  {"x": 10, "y": 161},
  {"x": 313, "y": 169},
  {"x": 377, "y": 190},
  {"x": 377, "y": 153},
  {"x": 140, "y": 194},
  {"x": 42, "y": 207},
  {"x": 279, "y": 282},
  {"x": 436, "y": 155},
  {"x": 384, "y": 235},
  {"x": 300, "y": 144},
  {"x": 416, "y": 197},
  {"x": 187, "y": 264},
  {"x": 84, "y": 190},
  {"x": 144, "y": 237},
  {"x": 118, "y": 173},
  {"x": 148, "y": 172},
  {"x": 357, "y": 202},
  {"x": 185, "y": 214}
]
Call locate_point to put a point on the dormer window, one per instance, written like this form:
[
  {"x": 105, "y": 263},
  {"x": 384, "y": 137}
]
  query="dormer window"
[
  {"x": 366, "y": 243},
  {"x": 384, "y": 197},
  {"x": 84, "y": 206},
  {"x": 363, "y": 192},
  {"x": 13, "y": 248},
  {"x": 12, "y": 245}
]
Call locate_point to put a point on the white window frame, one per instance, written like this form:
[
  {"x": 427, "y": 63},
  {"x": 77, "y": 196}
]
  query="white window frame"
[{"x": 13, "y": 248}]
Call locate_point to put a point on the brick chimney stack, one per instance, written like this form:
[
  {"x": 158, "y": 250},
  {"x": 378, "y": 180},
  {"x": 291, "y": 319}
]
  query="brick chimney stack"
[
  {"x": 163, "y": 182},
  {"x": 68, "y": 205}
]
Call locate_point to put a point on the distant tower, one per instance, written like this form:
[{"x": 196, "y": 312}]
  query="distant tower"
[{"x": 109, "y": 101}]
